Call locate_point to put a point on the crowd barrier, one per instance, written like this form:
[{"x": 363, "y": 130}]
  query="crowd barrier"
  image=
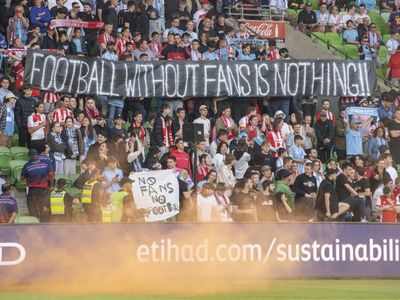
[{"x": 46, "y": 252}]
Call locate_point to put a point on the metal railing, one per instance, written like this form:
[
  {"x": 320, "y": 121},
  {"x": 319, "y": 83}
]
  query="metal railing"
[
  {"x": 256, "y": 11},
  {"x": 344, "y": 55}
]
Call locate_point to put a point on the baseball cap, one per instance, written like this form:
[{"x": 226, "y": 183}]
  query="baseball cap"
[
  {"x": 308, "y": 4},
  {"x": 118, "y": 116},
  {"x": 61, "y": 182},
  {"x": 9, "y": 95},
  {"x": 265, "y": 168},
  {"x": 279, "y": 112},
  {"x": 283, "y": 173},
  {"x": 203, "y": 106},
  {"x": 33, "y": 152}
]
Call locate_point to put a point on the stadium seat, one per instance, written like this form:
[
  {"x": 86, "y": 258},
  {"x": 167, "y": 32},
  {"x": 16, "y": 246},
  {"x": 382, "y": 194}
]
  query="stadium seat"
[
  {"x": 14, "y": 164},
  {"x": 73, "y": 178},
  {"x": 385, "y": 17},
  {"x": 19, "y": 153},
  {"x": 67, "y": 179},
  {"x": 5, "y": 169},
  {"x": 26, "y": 220},
  {"x": 376, "y": 18},
  {"x": 385, "y": 38},
  {"x": 5, "y": 151},
  {"x": 383, "y": 55},
  {"x": 19, "y": 183},
  {"x": 320, "y": 38},
  {"x": 351, "y": 51},
  {"x": 314, "y": 4},
  {"x": 15, "y": 140}
]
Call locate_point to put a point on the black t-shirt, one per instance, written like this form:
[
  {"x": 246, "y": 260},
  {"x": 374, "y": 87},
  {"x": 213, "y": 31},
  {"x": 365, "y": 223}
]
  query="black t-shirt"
[
  {"x": 220, "y": 29},
  {"x": 394, "y": 143},
  {"x": 265, "y": 208},
  {"x": 342, "y": 192},
  {"x": 361, "y": 186},
  {"x": 304, "y": 185},
  {"x": 307, "y": 18},
  {"x": 243, "y": 202},
  {"x": 327, "y": 186},
  {"x": 260, "y": 159},
  {"x": 119, "y": 131}
]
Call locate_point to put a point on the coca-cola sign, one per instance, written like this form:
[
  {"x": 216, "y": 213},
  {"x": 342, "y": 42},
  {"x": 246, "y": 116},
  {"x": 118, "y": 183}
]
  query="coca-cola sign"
[{"x": 266, "y": 29}]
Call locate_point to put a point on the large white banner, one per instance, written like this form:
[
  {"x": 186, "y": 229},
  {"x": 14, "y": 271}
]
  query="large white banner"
[{"x": 157, "y": 192}]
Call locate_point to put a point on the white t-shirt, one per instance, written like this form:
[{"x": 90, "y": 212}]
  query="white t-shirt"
[
  {"x": 207, "y": 128},
  {"x": 34, "y": 121},
  {"x": 392, "y": 172},
  {"x": 205, "y": 207}
]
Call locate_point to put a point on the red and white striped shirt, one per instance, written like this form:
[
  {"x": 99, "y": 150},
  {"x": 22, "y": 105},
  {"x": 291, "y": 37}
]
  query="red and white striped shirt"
[
  {"x": 276, "y": 140},
  {"x": 121, "y": 46},
  {"x": 50, "y": 97},
  {"x": 59, "y": 115},
  {"x": 105, "y": 38}
]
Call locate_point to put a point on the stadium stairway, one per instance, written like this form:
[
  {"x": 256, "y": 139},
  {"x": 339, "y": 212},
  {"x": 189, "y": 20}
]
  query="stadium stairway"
[{"x": 302, "y": 46}]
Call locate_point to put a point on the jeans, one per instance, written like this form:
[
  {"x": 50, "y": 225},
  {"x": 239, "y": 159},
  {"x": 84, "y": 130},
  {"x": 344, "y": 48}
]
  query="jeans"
[
  {"x": 357, "y": 206},
  {"x": 112, "y": 112},
  {"x": 282, "y": 105}
]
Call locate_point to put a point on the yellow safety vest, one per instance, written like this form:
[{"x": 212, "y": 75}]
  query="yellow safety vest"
[
  {"x": 106, "y": 214},
  {"x": 57, "y": 206},
  {"x": 86, "y": 196},
  {"x": 117, "y": 203}
]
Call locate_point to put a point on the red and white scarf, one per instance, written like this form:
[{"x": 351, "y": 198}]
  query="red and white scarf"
[
  {"x": 142, "y": 133},
  {"x": 253, "y": 132},
  {"x": 92, "y": 114},
  {"x": 167, "y": 133},
  {"x": 228, "y": 122}
]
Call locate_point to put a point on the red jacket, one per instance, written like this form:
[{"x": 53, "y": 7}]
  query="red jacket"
[{"x": 182, "y": 160}]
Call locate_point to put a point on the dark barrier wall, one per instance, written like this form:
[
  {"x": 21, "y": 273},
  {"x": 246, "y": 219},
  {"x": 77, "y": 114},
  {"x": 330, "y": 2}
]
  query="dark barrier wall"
[
  {"x": 181, "y": 79},
  {"x": 37, "y": 253}
]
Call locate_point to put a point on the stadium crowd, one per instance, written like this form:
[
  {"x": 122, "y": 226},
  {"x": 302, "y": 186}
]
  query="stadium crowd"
[{"x": 262, "y": 159}]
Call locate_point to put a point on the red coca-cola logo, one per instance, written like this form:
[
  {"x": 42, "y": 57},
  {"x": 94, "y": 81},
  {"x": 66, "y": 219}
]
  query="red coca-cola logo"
[{"x": 268, "y": 30}]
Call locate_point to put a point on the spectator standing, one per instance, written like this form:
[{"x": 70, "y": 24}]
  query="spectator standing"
[
  {"x": 7, "y": 120},
  {"x": 394, "y": 67},
  {"x": 74, "y": 146},
  {"x": 324, "y": 131},
  {"x": 57, "y": 147},
  {"x": 18, "y": 26},
  {"x": 37, "y": 128},
  {"x": 60, "y": 114},
  {"x": 39, "y": 177},
  {"x": 40, "y": 15},
  {"x": 207, "y": 207},
  {"x": 394, "y": 131},
  {"x": 24, "y": 107},
  {"x": 340, "y": 139}
]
